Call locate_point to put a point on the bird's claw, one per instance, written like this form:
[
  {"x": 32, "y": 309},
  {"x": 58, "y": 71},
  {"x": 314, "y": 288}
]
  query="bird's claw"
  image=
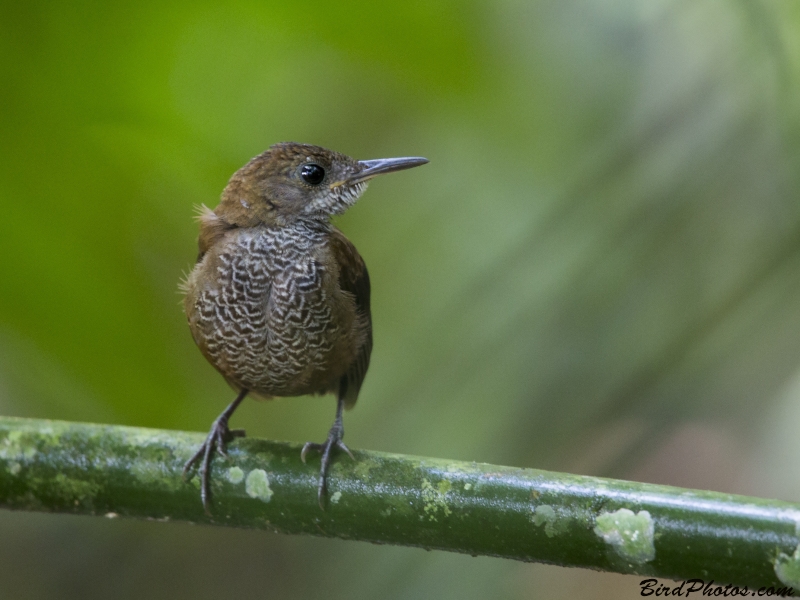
[
  {"x": 228, "y": 436},
  {"x": 217, "y": 440},
  {"x": 326, "y": 451},
  {"x": 321, "y": 449}
]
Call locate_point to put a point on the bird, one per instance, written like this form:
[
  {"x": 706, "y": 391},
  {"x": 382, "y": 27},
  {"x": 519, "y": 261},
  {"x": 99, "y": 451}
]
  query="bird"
[{"x": 278, "y": 300}]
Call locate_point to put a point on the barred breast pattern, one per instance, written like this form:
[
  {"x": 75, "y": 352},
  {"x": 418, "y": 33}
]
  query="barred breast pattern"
[{"x": 269, "y": 323}]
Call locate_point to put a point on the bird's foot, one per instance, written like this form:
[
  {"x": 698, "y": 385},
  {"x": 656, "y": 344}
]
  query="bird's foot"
[
  {"x": 217, "y": 441},
  {"x": 326, "y": 450}
]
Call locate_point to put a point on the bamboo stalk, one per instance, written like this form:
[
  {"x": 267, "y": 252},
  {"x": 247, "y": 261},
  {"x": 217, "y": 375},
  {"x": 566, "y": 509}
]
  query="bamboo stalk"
[{"x": 478, "y": 509}]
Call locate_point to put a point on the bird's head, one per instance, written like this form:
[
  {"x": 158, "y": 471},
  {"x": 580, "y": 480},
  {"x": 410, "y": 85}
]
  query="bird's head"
[{"x": 292, "y": 181}]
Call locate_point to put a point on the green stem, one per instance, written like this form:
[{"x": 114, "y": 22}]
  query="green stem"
[{"x": 523, "y": 514}]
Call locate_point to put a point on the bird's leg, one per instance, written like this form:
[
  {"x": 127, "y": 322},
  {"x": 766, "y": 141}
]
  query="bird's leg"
[
  {"x": 334, "y": 440},
  {"x": 217, "y": 440}
]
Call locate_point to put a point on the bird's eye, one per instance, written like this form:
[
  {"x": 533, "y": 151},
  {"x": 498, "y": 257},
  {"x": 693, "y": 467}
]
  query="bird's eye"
[{"x": 312, "y": 173}]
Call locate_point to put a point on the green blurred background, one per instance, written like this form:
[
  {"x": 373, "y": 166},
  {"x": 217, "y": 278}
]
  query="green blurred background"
[{"x": 599, "y": 271}]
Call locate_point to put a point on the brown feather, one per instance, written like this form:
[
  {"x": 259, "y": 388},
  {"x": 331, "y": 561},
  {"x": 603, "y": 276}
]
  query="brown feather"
[
  {"x": 212, "y": 228},
  {"x": 354, "y": 279}
]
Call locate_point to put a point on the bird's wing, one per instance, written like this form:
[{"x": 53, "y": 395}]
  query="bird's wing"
[{"x": 354, "y": 278}]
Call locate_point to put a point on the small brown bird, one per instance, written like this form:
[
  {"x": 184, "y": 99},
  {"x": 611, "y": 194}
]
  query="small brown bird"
[{"x": 278, "y": 300}]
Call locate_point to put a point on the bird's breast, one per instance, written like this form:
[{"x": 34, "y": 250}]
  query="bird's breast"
[{"x": 266, "y": 309}]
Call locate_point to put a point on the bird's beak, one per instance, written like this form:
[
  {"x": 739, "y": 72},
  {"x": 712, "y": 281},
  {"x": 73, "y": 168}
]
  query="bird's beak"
[{"x": 371, "y": 168}]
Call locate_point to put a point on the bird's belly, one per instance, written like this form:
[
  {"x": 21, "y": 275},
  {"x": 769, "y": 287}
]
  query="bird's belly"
[{"x": 277, "y": 330}]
